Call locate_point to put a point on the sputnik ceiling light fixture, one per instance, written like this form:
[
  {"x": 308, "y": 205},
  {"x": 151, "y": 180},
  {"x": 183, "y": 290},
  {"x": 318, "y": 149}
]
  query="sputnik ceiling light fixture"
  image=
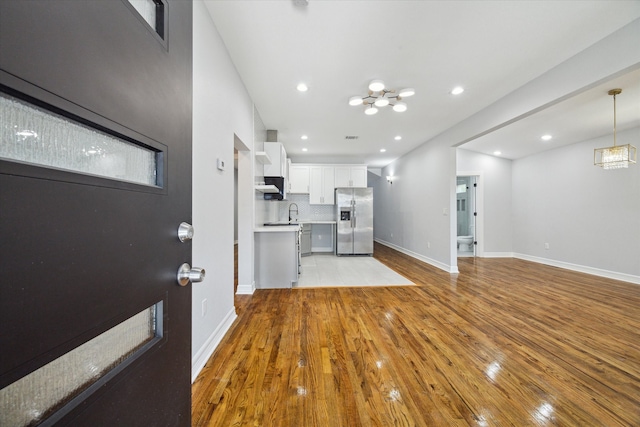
[
  {"x": 378, "y": 97},
  {"x": 616, "y": 156}
]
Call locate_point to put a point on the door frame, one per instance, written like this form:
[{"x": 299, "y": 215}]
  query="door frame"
[{"x": 479, "y": 248}]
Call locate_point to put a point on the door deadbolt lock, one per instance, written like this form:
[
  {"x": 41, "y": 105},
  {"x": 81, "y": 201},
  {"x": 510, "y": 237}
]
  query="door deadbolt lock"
[
  {"x": 185, "y": 231},
  {"x": 187, "y": 274}
]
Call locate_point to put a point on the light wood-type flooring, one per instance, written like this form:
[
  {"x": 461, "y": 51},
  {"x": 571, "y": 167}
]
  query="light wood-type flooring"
[{"x": 504, "y": 343}]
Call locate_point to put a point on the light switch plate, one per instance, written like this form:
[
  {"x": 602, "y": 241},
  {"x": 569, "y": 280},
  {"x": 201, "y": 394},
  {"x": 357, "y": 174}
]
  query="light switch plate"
[{"x": 221, "y": 164}]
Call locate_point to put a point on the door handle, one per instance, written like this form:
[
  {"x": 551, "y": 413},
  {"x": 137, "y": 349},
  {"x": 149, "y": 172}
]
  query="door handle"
[{"x": 187, "y": 274}]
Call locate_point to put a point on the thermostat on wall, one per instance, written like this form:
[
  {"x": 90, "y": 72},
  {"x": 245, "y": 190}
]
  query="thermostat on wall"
[{"x": 221, "y": 164}]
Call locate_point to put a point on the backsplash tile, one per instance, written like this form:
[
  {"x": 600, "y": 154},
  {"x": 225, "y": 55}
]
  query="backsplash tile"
[{"x": 305, "y": 210}]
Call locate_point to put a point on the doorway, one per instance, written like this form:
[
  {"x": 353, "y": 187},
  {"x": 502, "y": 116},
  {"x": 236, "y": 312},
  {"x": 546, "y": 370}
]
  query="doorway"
[{"x": 466, "y": 214}]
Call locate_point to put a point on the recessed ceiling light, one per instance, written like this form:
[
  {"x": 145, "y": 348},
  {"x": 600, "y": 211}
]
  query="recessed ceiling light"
[
  {"x": 302, "y": 87},
  {"x": 398, "y": 138},
  {"x": 457, "y": 90},
  {"x": 497, "y": 153},
  {"x": 382, "y": 150},
  {"x": 546, "y": 137},
  {"x": 304, "y": 137},
  {"x": 304, "y": 149}
]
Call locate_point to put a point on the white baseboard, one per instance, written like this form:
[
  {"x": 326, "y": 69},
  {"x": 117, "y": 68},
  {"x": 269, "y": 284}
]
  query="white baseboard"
[
  {"x": 581, "y": 268},
  {"x": 438, "y": 264},
  {"x": 561, "y": 264},
  {"x": 246, "y": 289},
  {"x": 497, "y": 255},
  {"x": 202, "y": 356}
]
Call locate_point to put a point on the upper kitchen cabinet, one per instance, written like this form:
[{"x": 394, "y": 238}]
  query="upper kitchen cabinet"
[
  {"x": 321, "y": 185},
  {"x": 351, "y": 176},
  {"x": 299, "y": 179},
  {"x": 278, "y": 156}
]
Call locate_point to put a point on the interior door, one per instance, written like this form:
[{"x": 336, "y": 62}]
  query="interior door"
[{"x": 86, "y": 249}]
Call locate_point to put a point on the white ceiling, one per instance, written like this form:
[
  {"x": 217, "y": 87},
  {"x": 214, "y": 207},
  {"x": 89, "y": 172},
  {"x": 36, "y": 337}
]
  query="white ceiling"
[{"x": 489, "y": 47}]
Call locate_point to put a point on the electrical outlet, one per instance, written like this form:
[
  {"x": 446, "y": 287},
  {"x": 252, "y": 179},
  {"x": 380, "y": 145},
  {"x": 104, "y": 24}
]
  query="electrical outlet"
[
  {"x": 204, "y": 307},
  {"x": 546, "y": 246},
  {"x": 392, "y": 235},
  {"x": 428, "y": 245}
]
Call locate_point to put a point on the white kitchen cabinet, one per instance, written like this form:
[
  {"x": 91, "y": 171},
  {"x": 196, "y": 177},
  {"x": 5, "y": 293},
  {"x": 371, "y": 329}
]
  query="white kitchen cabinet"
[
  {"x": 350, "y": 176},
  {"x": 321, "y": 185},
  {"x": 276, "y": 257},
  {"x": 299, "y": 179},
  {"x": 278, "y": 156}
]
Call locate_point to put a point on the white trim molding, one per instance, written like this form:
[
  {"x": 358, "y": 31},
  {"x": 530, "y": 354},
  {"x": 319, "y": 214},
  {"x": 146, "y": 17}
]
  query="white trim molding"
[
  {"x": 202, "y": 356},
  {"x": 561, "y": 264},
  {"x": 246, "y": 289},
  {"x": 581, "y": 268},
  {"x": 438, "y": 264},
  {"x": 497, "y": 255}
]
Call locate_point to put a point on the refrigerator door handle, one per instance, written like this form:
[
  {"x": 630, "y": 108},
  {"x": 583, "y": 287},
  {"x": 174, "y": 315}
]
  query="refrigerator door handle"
[{"x": 353, "y": 215}]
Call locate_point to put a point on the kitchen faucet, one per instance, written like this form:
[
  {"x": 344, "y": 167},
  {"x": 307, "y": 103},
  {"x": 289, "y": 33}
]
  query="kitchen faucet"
[{"x": 296, "y": 211}]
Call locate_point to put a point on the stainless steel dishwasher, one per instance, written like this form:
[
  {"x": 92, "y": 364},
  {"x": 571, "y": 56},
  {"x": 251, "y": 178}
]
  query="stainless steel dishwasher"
[{"x": 305, "y": 239}]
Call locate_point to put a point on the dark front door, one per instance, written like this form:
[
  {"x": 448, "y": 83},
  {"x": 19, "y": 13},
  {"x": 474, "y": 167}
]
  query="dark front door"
[{"x": 95, "y": 178}]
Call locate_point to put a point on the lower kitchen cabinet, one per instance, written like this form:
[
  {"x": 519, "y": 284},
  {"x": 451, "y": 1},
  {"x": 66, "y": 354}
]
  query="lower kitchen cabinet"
[
  {"x": 305, "y": 239},
  {"x": 276, "y": 258}
]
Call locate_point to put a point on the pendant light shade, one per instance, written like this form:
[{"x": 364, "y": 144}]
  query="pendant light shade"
[
  {"x": 371, "y": 110},
  {"x": 381, "y": 102},
  {"x": 355, "y": 100},
  {"x": 407, "y": 92},
  {"x": 616, "y": 156},
  {"x": 400, "y": 107},
  {"x": 376, "y": 85}
]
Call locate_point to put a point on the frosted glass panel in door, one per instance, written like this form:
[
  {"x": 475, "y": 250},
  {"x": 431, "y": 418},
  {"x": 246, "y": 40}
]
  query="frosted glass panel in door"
[
  {"x": 35, "y": 397},
  {"x": 146, "y": 9},
  {"x": 30, "y": 134}
]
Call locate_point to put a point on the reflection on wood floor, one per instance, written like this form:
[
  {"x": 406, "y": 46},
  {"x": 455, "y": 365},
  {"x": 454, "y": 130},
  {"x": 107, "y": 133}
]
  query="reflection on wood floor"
[{"x": 504, "y": 343}]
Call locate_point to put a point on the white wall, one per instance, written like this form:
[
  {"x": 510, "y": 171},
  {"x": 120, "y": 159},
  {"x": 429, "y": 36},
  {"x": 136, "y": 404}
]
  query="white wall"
[
  {"x": 412, "y": 208},
  {"x": 413, "y": 214},
  {"x": 589, "y": 217},
  {"x": 495, "y": 187},
  {"x": 215, "y": 125}
]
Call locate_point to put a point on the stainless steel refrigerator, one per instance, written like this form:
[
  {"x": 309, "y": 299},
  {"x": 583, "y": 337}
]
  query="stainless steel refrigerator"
[{"x": 354, "y": 221}]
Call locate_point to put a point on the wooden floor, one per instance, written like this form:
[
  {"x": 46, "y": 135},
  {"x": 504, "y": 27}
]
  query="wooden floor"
[{"x": 504, "y": 343}]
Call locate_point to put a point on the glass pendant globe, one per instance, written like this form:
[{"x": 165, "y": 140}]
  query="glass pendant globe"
[{"x": 371, "y": 111}]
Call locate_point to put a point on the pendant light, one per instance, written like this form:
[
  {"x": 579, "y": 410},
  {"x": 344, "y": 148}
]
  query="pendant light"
[{"x": 616, "y": 156}]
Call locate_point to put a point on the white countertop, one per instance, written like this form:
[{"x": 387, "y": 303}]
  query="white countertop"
[
  {"x": 276, "y": 228},
  {"x": 286, "y": 227}
]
